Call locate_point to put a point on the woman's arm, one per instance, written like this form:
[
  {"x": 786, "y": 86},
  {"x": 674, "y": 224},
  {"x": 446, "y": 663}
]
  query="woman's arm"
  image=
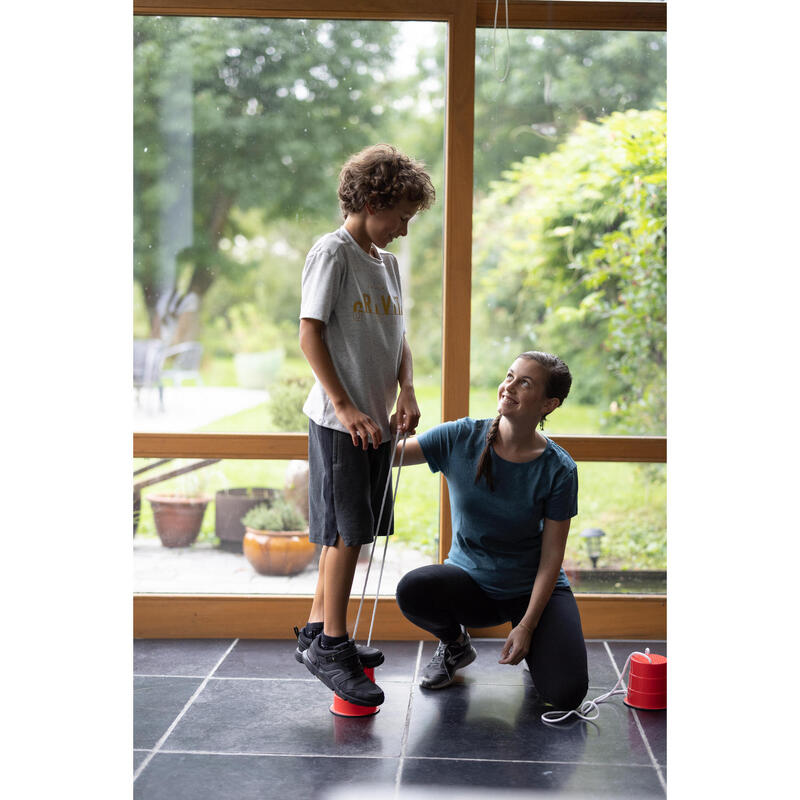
[
  {"x": 554, "y": 542},
  {"x": 413, "y": 453}
]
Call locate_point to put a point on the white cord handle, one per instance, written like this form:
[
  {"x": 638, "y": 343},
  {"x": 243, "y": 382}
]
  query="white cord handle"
[
  {"x": 587, "y": 706},
  {"x": 377, "y": 528},
  {"x": 494, "y": 41}
]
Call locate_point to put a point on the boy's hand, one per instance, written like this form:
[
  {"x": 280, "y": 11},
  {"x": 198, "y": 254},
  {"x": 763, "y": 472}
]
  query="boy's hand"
[
  {"x": 360, "y": 425},
  {"x": 406, "y": 415}
]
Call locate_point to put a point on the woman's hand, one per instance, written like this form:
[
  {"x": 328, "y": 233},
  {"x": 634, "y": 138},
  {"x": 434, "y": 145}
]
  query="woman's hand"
[{"x": 517, "y": 645}]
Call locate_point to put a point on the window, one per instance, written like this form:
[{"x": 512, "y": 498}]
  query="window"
[
  {"x": 458, "y": 50},
  {"x": 241, "y": 126},
  {"x": 569, "y": 256}
]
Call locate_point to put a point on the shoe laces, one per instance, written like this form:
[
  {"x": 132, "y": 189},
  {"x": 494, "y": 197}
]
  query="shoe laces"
[{"x": 440, "y": 654}]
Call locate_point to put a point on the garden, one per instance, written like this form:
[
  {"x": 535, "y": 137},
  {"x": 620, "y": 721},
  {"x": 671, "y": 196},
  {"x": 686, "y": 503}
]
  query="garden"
[{"x": 569, "y": 231}]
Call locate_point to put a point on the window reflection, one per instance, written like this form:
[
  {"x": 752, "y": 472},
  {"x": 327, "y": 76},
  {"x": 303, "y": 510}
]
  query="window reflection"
[
  {"x": 569, "y": 256},
  {"x": 240, "y": 126}
]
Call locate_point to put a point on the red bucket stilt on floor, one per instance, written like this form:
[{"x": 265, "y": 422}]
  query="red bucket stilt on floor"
[
  {"x": 343, "y": 708},
  {"x": 647, "y": 685}
]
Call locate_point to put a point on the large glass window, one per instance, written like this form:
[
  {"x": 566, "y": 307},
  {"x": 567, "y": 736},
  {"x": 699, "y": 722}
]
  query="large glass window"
[
  {"x": 241, "y": 126},
  {"x": 569, "y": 256}
]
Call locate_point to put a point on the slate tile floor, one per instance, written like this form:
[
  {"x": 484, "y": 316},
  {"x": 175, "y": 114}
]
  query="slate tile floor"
[{"x": 241, "y": 719}]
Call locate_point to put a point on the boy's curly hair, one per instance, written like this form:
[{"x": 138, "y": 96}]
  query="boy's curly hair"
[{"x": 382, "y": 176}]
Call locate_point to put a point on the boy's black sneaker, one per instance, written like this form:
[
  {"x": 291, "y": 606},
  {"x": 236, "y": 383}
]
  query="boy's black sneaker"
[
  {"x": 339, "y": 668},
  {"x": 369, "y": 656},
  {"x": 441, "y": 671}
]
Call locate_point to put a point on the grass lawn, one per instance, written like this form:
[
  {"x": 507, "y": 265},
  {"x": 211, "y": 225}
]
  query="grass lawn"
[{"x": 628, "y": 501}]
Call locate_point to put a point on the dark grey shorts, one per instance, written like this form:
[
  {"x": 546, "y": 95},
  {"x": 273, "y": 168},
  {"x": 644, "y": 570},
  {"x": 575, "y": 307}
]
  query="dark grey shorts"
[{"x": 345, "y": 488}]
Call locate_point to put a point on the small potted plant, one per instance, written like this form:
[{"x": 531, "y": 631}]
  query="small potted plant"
[
  {"x": 178, "y": 514},
  {"x": 276, "y": 539}
]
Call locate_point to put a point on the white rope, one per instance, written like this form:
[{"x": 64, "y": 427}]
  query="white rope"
[
  {"x": 386, "y": 542},
  {"x": 587, "y": 706},
  {"x": 494, "y": 41},
  {"x": 378, "y": 527}
]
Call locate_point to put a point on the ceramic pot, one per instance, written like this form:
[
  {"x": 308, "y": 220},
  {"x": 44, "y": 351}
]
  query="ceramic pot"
[
  {"x": 230, "y": 506},
  {"x": 278, "y": 552},
  {"x": 178, "y": 519}
]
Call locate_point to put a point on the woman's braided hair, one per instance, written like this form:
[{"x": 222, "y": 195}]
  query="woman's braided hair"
[
  {"x": 382, "y": 176},
  {"x": 559, "y": 381}
]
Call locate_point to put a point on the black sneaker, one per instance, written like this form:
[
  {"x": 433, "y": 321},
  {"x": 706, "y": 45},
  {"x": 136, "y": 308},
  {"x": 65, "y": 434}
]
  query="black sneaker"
[
  {"x": 339, "y": 668},
  {"x": 441, "y": 670},
  {"x": 369, "y": 656}
]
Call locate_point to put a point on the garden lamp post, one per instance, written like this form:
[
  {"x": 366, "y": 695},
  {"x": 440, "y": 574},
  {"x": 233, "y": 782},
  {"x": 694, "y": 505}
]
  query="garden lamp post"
[{"x": 592, "y": 538}]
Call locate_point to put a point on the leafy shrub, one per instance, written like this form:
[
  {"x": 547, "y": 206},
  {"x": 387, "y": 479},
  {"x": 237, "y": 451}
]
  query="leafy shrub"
[
  {"x": 280, "y": 516},
  {"x": 286, "y": 404}
]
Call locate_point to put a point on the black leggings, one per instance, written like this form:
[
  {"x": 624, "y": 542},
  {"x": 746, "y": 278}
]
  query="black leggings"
[{"x": 439, "y": 598}]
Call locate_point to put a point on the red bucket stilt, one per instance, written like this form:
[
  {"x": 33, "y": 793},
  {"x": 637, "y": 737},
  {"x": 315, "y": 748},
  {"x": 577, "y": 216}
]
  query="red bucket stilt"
[
  {"x": 647, "y": 685},
  {"x": 343, "y": 708}
]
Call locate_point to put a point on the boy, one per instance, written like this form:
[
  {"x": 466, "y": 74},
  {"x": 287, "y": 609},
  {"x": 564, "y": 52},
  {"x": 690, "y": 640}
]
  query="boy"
[{"x": 353, "y": 336}]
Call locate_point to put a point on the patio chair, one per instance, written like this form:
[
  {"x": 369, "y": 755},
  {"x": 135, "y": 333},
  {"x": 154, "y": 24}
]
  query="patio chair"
[
  {"x": 184, "y": 362},
  {"x": 147, "y": 361}
]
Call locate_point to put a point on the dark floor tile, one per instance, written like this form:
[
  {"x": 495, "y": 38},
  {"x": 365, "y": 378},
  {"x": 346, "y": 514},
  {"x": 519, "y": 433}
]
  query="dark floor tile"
[
  {"x": 213, "y": 777},
  {"x": 503, "y": 723},
  {"x": 263, "y": 658},
  {"x": 602, "y": 675},
  {"x": 486, "y": 669},
  {"x": 400, "y": 660},
  {"x": 292, "y": 717},
  {"x": 177, "y": 656},
  {"x": 573, "y": 781},
  {"x": 273, "y": 658},
  {"x": 156, "y": 703},
  {"x": 138, "y": 757},
  {"x": 654, "y": 723}
]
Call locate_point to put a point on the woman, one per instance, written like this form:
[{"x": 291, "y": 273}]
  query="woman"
[{"x": 512, "y": 494}]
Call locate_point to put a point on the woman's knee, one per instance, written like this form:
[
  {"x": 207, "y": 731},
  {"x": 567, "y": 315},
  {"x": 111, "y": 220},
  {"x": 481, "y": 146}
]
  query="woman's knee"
[
  {"x": 565, "y": 691},
  {"x": 410, "y": 588},
  {"x": 570, "y": 696}
]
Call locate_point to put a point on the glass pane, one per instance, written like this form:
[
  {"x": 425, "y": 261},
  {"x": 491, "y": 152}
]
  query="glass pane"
[
  {"x": 189, "y": 535},
  {"x": 569, "y": 248},
  {"x": 628, "y": 503},
  {"x": 569, "y": 256},
  {"x": 240, "y": 129}
]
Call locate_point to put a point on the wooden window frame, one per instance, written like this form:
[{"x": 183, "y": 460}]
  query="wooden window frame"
[{"x": 245, "y": 616}]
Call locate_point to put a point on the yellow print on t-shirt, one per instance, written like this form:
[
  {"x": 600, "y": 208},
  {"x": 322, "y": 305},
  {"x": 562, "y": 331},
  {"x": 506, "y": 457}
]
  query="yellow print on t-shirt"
[{"x": 389, "y": 306}]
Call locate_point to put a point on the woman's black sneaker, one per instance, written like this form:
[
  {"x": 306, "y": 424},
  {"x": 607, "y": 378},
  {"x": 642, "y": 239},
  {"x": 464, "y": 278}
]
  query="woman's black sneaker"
[
  {"x": 369, "y": 656},
  {"x": 339, "y": 668},
  {"x": 441, "y": 671}
]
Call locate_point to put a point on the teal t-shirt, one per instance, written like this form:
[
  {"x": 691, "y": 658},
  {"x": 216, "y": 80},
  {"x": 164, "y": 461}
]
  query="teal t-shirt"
[{"x": 497, "y": 536}]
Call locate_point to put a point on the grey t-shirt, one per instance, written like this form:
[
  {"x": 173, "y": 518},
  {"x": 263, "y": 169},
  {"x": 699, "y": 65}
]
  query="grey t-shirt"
[{"x": 358, "y": 298}]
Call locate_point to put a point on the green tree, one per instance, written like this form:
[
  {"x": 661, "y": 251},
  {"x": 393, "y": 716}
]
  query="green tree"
[
  {"x": 572, "y": 258},
  {"x": 556, "y": 79},
  {"x": 240, "y": 113}
]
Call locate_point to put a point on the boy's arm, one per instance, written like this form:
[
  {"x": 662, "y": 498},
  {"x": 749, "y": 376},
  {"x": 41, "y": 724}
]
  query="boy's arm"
[
  {"x": 319, "y": 358},
  {"x": 406, "y": 415}
]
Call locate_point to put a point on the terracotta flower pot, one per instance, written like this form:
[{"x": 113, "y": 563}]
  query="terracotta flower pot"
[
  {"x": 178, "y": 519},
  {"x": 278, "y": 552}
]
